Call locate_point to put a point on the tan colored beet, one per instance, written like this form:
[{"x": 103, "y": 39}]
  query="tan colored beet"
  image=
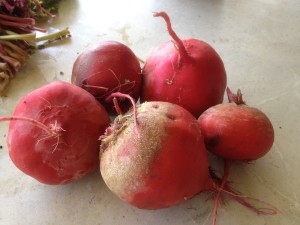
[{"x": 159, "y": 162}]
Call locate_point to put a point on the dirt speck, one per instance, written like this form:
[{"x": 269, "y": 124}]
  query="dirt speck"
[{"x": 123, "y": 32}]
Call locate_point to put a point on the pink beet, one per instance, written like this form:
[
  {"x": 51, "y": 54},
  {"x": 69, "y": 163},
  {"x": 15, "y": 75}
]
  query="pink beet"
[{"x": 189, "y": 73}]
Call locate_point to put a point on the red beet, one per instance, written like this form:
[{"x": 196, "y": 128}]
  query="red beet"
[
  {"x": 189, "y": 73},
  {"x": 53, "y": 133},
  {"x": 154, "y": 157},
  {"x": 106, "y": 68},
  {"x": 235, "y": 131}
]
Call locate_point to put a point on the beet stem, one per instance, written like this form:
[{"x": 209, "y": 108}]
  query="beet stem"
[
  {"x": 4, "y": 81},
  {"x": 182, "y": 50},
  {"x": 236, "y": 98},
  {"x": 23, "y": 20},
  {"x": 272, "y": 210},
  {"x": 244, "y": 200},
  {"x": 23, "y": 37},
  {"x": 121, "y": 95},
  {"x": 117, "y": 106},
  {"x": 55, "y": 36},
  {"x": 227, "y": 165},
  {"x": 19, "y": 52},
  {"x": 95, "y": 87},
  {"x": 35, "y": 122}
]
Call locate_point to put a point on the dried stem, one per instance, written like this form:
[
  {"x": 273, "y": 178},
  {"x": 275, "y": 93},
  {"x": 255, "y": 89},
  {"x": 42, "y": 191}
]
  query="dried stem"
[
  {"x": 32, "y": 121},
  {"x": 236, "y": 98}
]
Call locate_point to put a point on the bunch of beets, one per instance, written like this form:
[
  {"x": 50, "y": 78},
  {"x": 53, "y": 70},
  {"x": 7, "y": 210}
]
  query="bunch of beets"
[
  {"x": 167, "y": 116},
  {"x": 18, "y": 37}
]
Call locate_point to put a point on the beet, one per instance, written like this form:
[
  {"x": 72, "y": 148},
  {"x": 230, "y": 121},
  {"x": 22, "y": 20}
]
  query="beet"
[
  {"x": 236, "y": 132},
  {"x": 154, "y": 156},
  {"x": 189, "y": 73},
  {"x": 108, "y": 67},
  {"x": 53, "y": 133}
]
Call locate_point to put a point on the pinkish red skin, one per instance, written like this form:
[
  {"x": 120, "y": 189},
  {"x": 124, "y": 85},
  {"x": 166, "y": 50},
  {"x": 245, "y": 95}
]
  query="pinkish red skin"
[
  {"x": 106, "y": 68},
  {"x": 196, "y": 84},
  {"x": 236, "y": 132},
  {"x": 160, "y": 164},
  {"x": 188, "y": 73},
  {"x": 79, "y": 120}
]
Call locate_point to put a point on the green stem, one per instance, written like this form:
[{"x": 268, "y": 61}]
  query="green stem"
[
  {"x": 23, "y": 37},
  {"x": 54, "y": 36}
]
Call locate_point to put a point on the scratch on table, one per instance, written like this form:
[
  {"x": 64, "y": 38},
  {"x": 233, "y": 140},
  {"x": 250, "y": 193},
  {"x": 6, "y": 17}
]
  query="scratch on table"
[
  {"x": 294, "y": 201},
  {"x": 208, "y": 216},
  {"x": 195, "y": 218},
  {"x": 288, "y": 90},
  {"x": 276, "y": 149}
]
